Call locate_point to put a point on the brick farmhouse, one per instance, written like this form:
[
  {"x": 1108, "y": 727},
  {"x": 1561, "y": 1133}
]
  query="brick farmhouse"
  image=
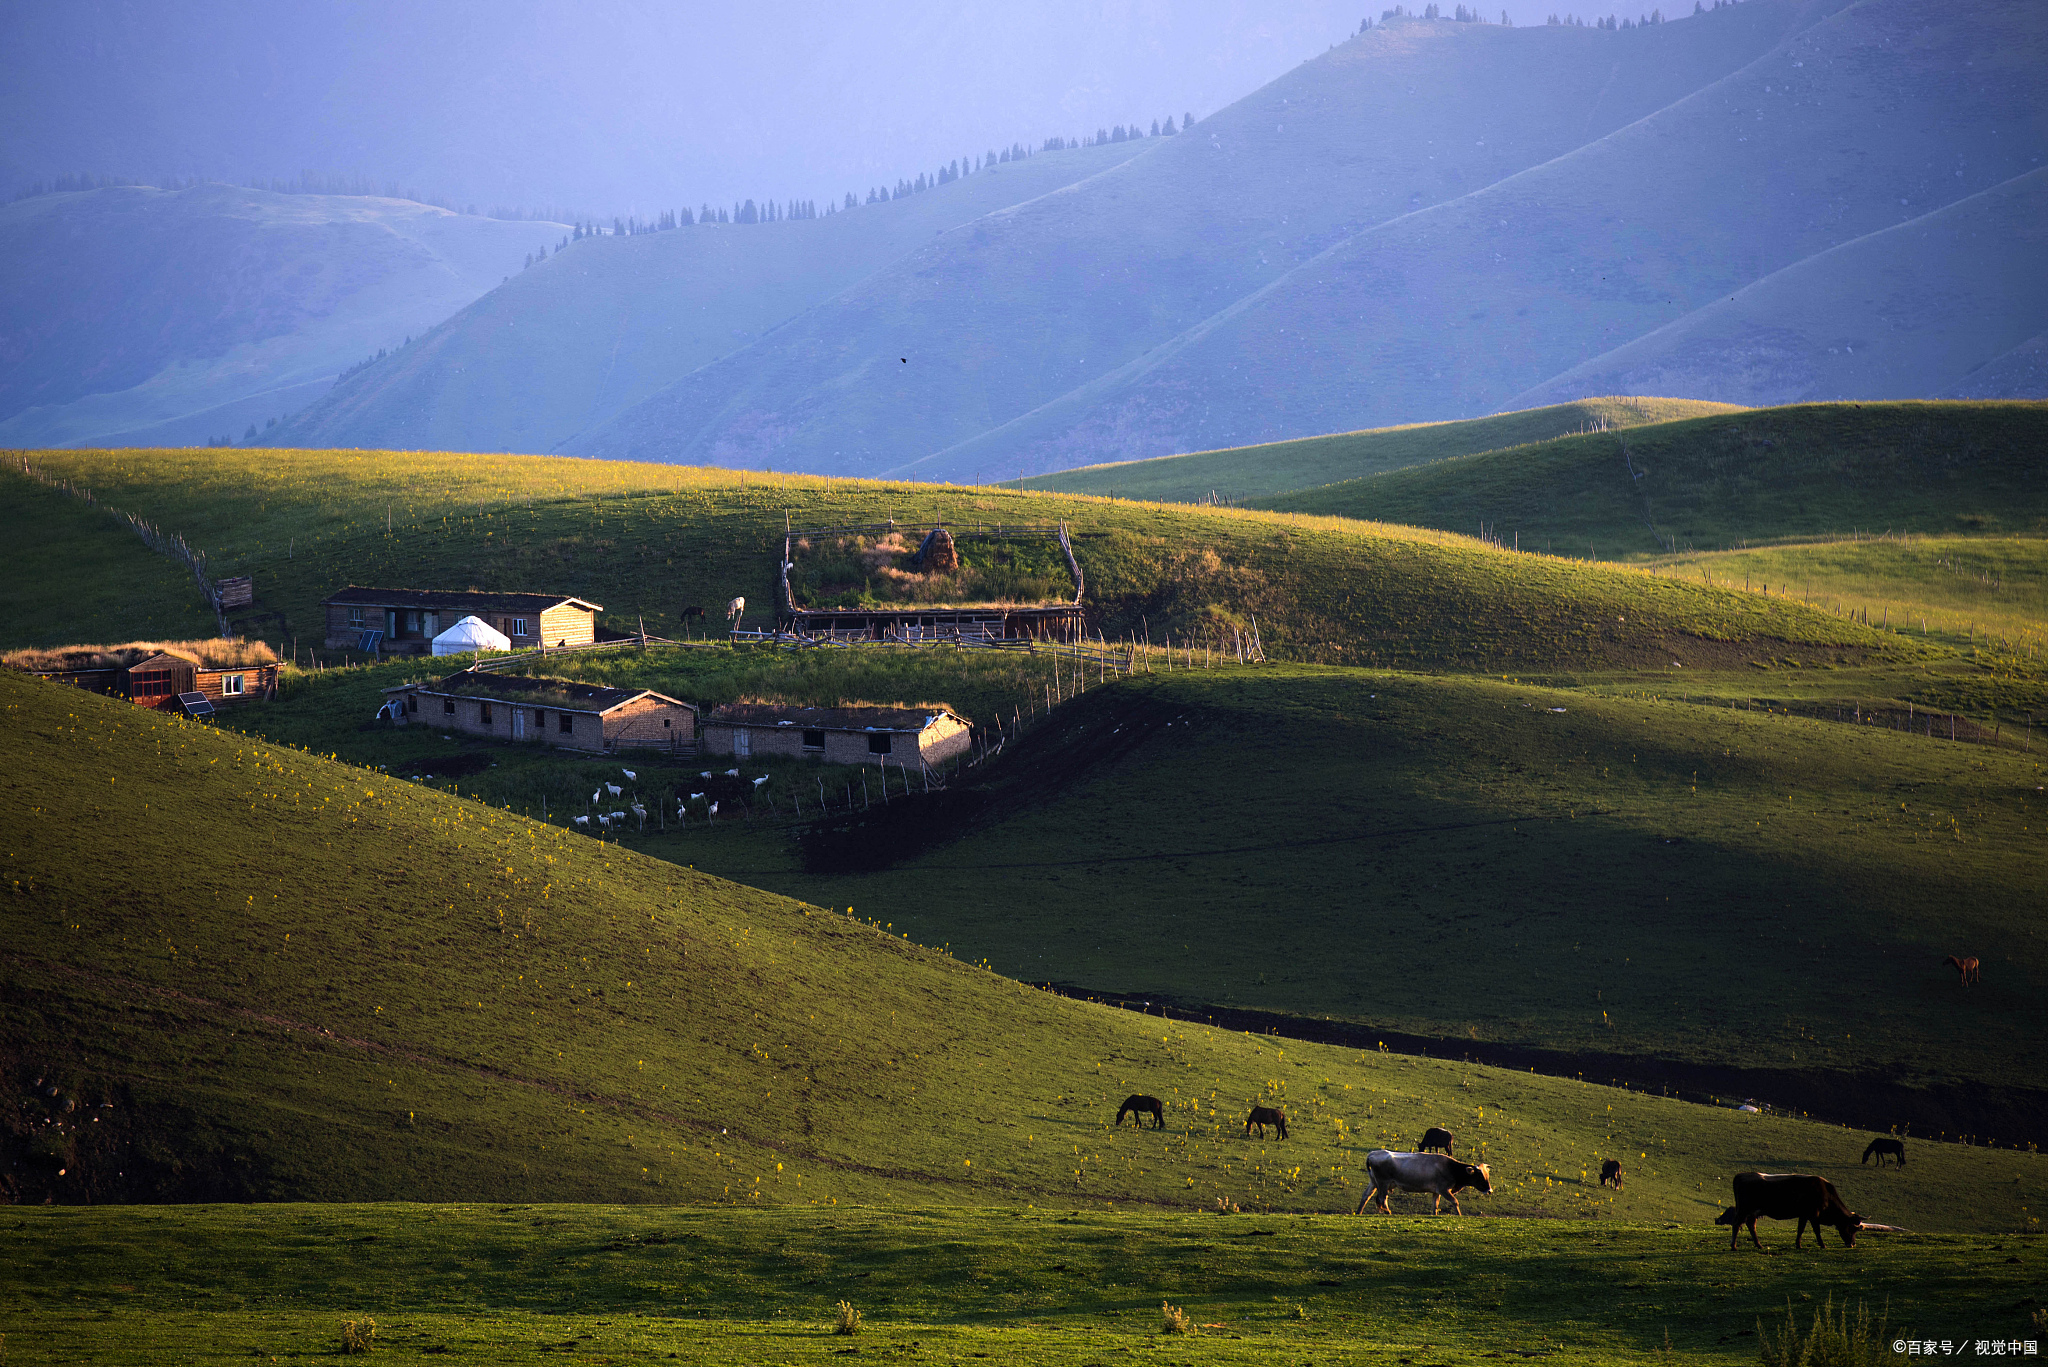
[
  {"x": 911, "y": 737},
  {"x": 410, "y": 619},
  {"x": 556, "y": 712}
]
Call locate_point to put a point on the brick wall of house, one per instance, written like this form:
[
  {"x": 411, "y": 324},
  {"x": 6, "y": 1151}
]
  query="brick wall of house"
[{"x": 650, "y": 724}]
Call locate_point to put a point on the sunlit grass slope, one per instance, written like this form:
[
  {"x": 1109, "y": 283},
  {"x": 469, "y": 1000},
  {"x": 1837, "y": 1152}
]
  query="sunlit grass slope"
[
  {"x": 648, "y": 541},
  {"x": 1964, "y": 590},
  {"x": 1605, "y": 876},
  {"x": 1283, "y": 466},
  {"x": 1716, "y": 482},
  {"x": 95, "y": 580},
  {"x": 528, "y": 1284},
  {"x": 301, "y": 979}
]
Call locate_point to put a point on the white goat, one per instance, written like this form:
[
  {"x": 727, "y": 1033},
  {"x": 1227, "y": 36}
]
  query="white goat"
[
  {"x": 582, "y": 821},
  {"x": 696, "y": 797},
  {"x": 761, "y": 780},
  {"x": 630, "y": 774},
  {"x": 595, "y": 795},
  {"x": 732, "y": 773},
  {"x": 614, "y": 789}
]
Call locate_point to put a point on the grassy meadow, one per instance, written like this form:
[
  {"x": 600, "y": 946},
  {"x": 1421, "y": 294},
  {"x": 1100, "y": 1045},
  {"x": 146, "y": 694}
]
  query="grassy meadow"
[
  {"x": 647, "y": 541},
  {"x": 1721, "y": 482},
  {"x": 524, "y": 1283},
  {"x": 1281, "y": 467},
  {"x": 365, "y": 990}
]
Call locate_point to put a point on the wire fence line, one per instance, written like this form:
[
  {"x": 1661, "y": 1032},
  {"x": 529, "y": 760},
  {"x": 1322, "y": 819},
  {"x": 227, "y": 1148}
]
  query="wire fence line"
[{"x": 172, "y": 544}]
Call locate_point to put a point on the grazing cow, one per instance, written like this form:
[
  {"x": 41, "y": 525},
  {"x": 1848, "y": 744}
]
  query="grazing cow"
[
  {"x": 1138, "y": 1107},
  {"x": 1436, "y": 1137},
  {"x": 1263, "y": 1116},
  {"x": 1610, "y": 1171},
  {"x": 1788, "y": 1196},
  {"x": 1432, "y": 1174},
  {"x": 1966, "y": 969},
  {"x": 1886, "y": 1148}
]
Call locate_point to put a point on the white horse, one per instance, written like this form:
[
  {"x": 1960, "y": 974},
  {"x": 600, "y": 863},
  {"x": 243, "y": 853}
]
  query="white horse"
[{"x": 735, "y": 611}]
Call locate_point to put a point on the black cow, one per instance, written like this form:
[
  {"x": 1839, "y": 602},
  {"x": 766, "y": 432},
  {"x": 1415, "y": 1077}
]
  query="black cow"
[
  {"x": 1263, "y": 1116},
  {"x": 1436, "y": 1137},
  {"x": 1610, "y": 1171},
  {"x": 1886, "y": 1148},
  {"x": 1788, "y": 1196},
  {"x": 1138, "y": 1107}
]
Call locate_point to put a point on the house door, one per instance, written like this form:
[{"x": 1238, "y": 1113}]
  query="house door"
[
  {"x": 740, "y": 747},
  {"x": 519, "y": 723}
]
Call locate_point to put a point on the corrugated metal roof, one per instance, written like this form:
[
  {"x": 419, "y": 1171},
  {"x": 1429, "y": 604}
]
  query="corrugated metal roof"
[
  {"x": 831, "y": 718},
  {"x": 466, "y": 600}
]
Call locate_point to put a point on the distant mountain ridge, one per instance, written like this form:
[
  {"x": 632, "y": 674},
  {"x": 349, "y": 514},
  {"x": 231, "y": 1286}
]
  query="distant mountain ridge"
[{"x": 131, "y": 315}]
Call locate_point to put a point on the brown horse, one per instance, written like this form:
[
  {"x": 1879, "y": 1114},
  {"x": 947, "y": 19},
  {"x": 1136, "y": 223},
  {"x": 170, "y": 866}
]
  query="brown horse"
[
  {"x": 1138, "y": 1107},
  {"x": 1966, "y": 969},
  {"x": 1262, "y": 1116}
]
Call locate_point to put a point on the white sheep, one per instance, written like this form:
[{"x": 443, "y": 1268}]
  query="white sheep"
[
  {"x": 604, "y": 821},
  {"x": 732, "y": 773},
  {"x": 705, "y": 774},
  {"x": 614, "y": 789},
  {"x": 583, "y": 821},
  {"x": 630, "y": 774},
  {"x": 696, "y": 797},
  {"x": 618, "y": 816}
]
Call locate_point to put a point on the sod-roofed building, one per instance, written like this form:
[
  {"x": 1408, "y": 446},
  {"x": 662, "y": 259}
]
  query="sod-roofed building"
[
  {"x": 196, "y": 677},
  {"x": 557, "y": 712},
  {"x": 913, "y": 737},
  {"x": 406, "y": 621}
]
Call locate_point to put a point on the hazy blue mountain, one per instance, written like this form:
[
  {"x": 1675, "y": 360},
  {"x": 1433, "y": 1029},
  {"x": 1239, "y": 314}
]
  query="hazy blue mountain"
[
  {"x": 135, "y": 316},
  {"x": 596, "y": 329},
  {"x": 1425, "y": 223}
]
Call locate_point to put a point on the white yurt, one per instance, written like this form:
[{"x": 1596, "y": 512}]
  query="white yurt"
[{"x": 471, "y": 633}]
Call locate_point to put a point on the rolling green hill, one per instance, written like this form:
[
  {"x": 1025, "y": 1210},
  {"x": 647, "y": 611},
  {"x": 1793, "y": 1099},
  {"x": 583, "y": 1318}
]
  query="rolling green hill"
[
  {"x": 1732, "y": 892},
  {"x": 1510, "y": 213},
  {"x": 176, "y": 316},
  {"x": 1281, "y": 467},
  {"x": 305, "y": 980},
  {"x": 647, "y": 541},
  {"x": 602, "y": 326},
  {"x": 1715, "y": 482}
]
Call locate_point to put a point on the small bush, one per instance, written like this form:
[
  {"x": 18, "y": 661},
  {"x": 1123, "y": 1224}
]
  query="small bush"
[
  {"x": 1226, "y": 1207},
  {"x": 1832, "y": 1340},
  {"x": 848, "y": 1321},
  {"x": 1174, "y": 1320},
  {"x": 358, "y": 1336}
]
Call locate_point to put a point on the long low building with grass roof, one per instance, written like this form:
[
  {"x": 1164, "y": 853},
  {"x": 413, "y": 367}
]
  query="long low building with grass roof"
[
  {"x": 920, "y": 736},
  {"x": 196, "y": 677},
  {"x": 558, "y": 712}
]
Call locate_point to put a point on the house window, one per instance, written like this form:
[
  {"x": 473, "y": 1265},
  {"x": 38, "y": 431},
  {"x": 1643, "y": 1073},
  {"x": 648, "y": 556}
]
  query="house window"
[
  {"x": 232, "y": 685},
  {"x": 448, "y": 707},
  {"x": 154, "y": 684},
  {"x": 879, "y": 742},
  {"x": 518, "y": 627},
  {"x": 540, "y": 719},
  {"x": 565, "y": 723},
  {"x": 483, "y": 713},
  {"x": 412, "y": 703},
  {"x": 814, "y": 740},
  {"x": 355, "y": 617}
]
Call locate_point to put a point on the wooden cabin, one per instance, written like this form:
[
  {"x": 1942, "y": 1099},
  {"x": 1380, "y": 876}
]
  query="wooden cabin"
[
  {"x": 911, "y": 737},
  {"x": 406, "y": 621},
  {"x": 561, "y": 713},
  {"x": 175, "y": 675}
]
